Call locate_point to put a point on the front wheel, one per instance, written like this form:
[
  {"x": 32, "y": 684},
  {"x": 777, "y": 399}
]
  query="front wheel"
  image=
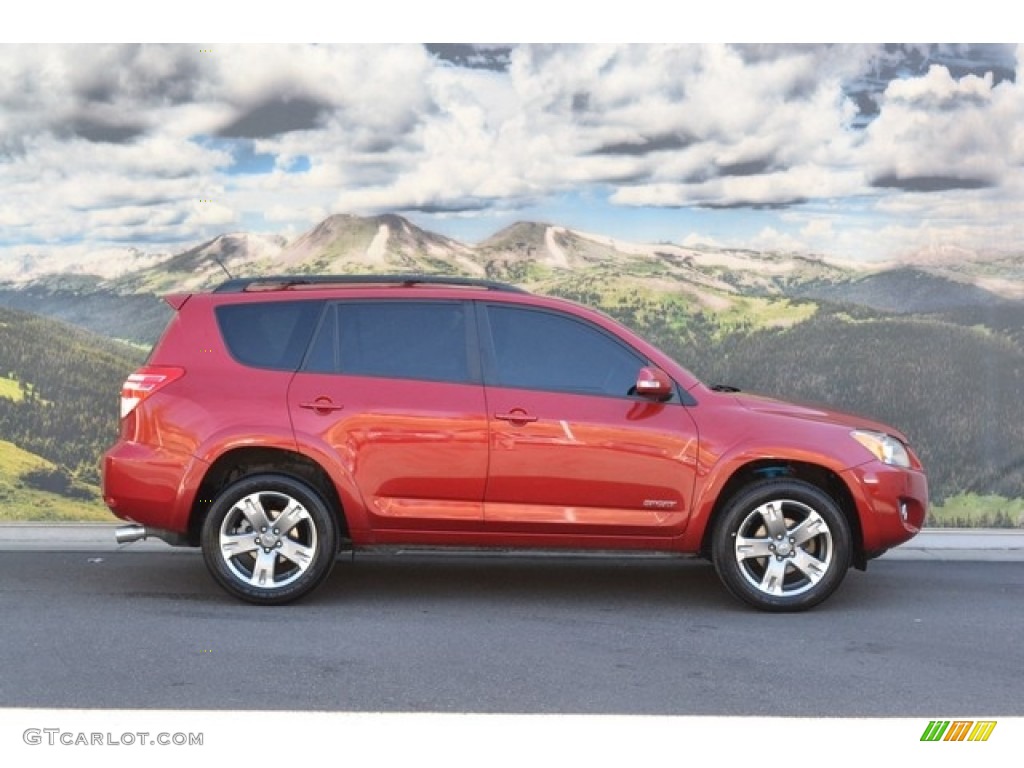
[
  {"x": 782, "y": 545},
  {"x": 269, "y": 539}
]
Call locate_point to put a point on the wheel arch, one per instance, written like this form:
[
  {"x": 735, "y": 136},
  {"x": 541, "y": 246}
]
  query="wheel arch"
[
  {"x": 816, "y": 475},
  {"x": 237, "y": 463}
]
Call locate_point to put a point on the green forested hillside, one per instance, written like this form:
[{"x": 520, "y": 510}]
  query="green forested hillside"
[
  {"x": 955, "y": 390},
  {"x": 136, "y": 318},
  {"x": 900, "y": 291},
  {"x": 68, "y": 383}
]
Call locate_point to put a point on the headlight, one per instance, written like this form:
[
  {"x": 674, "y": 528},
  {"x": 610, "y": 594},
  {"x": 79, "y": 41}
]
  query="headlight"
[{"x": 885, "y": 448}]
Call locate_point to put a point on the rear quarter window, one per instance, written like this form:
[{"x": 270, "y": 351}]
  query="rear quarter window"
[{"x": 269, "y": 334}]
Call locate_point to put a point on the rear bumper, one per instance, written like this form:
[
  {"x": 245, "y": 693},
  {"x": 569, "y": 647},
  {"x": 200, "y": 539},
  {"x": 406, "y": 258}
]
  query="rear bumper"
[
  {"x": 151, "y": 485},
  {"x": 892, "y": 504}
]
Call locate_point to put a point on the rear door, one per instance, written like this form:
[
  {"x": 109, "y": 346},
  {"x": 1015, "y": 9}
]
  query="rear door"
[
  {"x": 392, "y": 389},
  {"x": 573, "y": 449}
]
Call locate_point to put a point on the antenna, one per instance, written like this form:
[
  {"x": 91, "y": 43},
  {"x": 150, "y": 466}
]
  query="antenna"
[{"x": 221, "y": 265}]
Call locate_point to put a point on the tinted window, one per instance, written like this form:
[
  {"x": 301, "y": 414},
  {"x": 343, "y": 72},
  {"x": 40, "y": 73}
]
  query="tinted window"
[
  {"x": 271, "y": 334},
  {"x": 542, "y": 350},
  {"x": 408, "y": 340}
]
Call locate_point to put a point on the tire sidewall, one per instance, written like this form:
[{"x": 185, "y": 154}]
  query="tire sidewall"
[
  {"x": 323, "y": 522},
  {"x": 739, "y": 508}
]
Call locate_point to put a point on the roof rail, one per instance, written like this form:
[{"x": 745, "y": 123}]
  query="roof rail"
[{"x": 270, "y": 282}]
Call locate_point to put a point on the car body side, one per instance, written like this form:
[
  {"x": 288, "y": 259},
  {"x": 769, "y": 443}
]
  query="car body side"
[{"x": 180, "y": 446}]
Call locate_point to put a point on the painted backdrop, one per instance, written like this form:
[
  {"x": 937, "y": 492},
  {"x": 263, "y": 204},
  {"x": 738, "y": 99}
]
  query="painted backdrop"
[{"x": 838, "y": 224}]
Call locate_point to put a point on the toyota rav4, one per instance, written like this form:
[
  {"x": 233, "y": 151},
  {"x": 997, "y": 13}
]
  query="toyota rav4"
[{"x": 282, "y": 419}]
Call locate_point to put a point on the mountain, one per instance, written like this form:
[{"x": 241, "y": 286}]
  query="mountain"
[
  {"x": 701, "y": 293},
  {"x": 997, "y": 272},
  {"x": 344, "y": 244},
  {"x": 548, "y": 246},
  {"x": 547, "y": 256},
  {"x": 548, "y": 250},
  {"x": 340, "y": 244},
  {"x": 204, "y": 265},
  {"x": 903, "y": 290},
  {"x": 106, "y": 264},
  {"x": 89, "y": 303}
]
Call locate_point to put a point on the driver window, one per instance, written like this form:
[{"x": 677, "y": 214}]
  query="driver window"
[{"x": 536, "y": 349}]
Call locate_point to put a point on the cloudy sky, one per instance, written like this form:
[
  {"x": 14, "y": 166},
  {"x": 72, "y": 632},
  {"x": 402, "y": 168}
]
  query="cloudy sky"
[{"x": 854, "y": 151}]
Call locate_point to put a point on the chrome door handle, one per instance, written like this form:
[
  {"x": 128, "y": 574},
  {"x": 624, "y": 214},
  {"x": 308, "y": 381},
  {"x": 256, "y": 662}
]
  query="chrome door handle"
[
  {"x": 322, "y": 404},
  {"x": 521, "y": 417}
]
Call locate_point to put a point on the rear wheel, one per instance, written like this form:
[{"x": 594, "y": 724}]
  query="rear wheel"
[
  {"x": 782, "y": 545},
  {"x": 269, "y": 539}
]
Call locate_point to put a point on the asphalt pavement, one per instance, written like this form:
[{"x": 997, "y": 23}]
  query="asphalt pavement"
[
  {"x": 933, "y": 627},
  {"x": 442, "y": 659}
]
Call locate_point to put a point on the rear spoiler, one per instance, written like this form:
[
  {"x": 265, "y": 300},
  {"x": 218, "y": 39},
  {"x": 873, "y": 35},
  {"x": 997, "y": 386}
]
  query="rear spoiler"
[{"x": 177, "y": 300}]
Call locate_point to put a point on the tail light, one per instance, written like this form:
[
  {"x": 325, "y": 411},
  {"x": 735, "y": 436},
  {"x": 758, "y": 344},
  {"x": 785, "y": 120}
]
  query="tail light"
[{"x": 144, "y": 382}]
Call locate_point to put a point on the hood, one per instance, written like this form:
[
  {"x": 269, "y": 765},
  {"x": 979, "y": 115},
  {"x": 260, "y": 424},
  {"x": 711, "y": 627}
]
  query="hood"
[{"x": 760, "y": 404}]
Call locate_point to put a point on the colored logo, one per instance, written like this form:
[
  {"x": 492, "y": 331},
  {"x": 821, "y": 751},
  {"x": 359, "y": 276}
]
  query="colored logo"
[{"x": 958, "y": 730}]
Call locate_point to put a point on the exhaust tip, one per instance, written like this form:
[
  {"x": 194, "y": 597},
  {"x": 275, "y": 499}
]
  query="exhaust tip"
[{"x": 126, "y": 534}]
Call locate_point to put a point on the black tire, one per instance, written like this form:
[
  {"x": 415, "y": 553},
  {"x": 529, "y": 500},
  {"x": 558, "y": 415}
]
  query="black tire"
[
  {"x": 791, "y": 573},
  {"x": 258, "y": 561}
]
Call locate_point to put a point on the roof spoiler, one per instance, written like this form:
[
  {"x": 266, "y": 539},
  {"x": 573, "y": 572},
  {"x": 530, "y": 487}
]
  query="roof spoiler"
[{"x": 177, "y": 300}]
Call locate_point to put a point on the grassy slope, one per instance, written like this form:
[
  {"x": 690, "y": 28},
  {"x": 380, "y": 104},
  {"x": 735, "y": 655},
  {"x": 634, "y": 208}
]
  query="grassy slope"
[
  {"x": 971, "y": 510},
  {"x": 9, "y": 388},
  {"x": 20, "y": 503}
]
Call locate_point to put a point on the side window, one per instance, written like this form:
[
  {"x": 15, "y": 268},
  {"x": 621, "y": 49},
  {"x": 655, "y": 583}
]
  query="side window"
[
  {"x": 394, "y": 339},
  {"x": 271, "y": 334},
  {"x": 323, "y": 352},
  {"x": 543, "y": 350}
]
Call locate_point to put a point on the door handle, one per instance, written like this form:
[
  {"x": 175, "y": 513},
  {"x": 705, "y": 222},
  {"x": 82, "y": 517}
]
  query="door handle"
[
  {"x": 323, "y": 404},
  {"x": 516, "y": 416}
]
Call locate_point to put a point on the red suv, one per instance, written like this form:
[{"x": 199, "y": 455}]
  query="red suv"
[{"x": 280, "y": 419}]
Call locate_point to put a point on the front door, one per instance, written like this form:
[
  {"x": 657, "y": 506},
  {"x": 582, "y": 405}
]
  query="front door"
[{"x": 573, "y": 448}]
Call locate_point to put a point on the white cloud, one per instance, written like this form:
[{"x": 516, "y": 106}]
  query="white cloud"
[
  {"x": 771, "y": 239},
  {"x": 938, "y": 128},
  {"x": 98, "y": 143}
]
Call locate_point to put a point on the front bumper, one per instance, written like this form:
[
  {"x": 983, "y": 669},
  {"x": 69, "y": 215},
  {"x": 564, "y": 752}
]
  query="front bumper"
[{"x": 892, "y": 504}]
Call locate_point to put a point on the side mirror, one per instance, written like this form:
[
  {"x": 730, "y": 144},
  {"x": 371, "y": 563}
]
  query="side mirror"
[{"x": 654, "y": 383}]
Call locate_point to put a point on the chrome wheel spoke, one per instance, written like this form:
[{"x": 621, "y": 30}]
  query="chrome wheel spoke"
[
  {"x": 235, "y": 544},
  {"x": 812, "y": 526},
  {"x": 290, "y": 516},
  {"x": 811, "y": 567},
  {"x": 296, "y": 552},
  {"x": 752, "y": 547},
  {"x": 774, "y": 576},
  {"x": 263, "y": 569},
  {"x": 773, "y": 518},
  {"x": 252, "y": 508}
]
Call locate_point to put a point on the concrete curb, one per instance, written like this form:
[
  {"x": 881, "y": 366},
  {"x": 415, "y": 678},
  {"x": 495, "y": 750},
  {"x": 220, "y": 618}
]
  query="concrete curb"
[
  {"x": 70, "y": 537},
  {"x": 933, "y": 544}
]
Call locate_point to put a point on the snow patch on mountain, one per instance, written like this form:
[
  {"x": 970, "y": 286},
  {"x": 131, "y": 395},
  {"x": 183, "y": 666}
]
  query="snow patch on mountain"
[{"x": 378, "y": 246}]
